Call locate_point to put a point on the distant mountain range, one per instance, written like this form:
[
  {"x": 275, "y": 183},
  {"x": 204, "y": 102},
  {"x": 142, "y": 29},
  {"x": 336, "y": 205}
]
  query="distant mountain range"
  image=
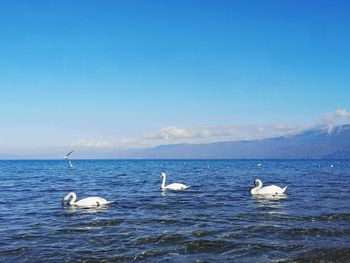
[{"x": 316, "y": 143}]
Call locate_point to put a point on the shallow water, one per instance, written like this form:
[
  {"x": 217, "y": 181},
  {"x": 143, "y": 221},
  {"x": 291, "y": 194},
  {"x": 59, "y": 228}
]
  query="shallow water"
[{"x": 215, "y": 220}]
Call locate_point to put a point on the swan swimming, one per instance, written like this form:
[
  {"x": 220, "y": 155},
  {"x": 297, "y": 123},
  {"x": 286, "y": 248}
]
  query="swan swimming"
[
  {"x": 173, "y": 186},
  {"x": 267, "y": 190},
  {"x": 86, "y": 202}
]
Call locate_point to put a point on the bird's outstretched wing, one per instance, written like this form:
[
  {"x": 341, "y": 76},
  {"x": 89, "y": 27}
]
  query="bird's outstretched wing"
[{"x": 65, "y": 157}]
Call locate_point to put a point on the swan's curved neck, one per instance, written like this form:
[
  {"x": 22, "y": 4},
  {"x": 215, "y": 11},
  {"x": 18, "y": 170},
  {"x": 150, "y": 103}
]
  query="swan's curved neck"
[
  {"x": 259, "y": 185},
  {"x": 74, "y": 198},
  {"x": 163, "y": 183}
]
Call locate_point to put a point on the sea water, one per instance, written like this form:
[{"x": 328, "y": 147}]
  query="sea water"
[{"x": 215, "y": 220}]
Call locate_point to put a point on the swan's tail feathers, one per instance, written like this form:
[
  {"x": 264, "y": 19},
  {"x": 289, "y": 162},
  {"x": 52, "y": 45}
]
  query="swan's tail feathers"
[{"x": 284, "y": 189}]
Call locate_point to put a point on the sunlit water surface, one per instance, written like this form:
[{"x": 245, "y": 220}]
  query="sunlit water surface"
[{"x": 215, "y": 220}]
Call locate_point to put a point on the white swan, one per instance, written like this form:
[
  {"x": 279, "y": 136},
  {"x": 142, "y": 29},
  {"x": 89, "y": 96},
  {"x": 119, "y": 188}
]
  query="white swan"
[
  {"x": 267, "y": 190},
  {"x": 86, "y": 202},
  {"x": 174, "y": 186}
]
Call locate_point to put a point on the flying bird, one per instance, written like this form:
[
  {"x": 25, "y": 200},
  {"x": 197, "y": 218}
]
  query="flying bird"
[
  {"x": 66, "y": 157},
  {"x": 70, "y": 165}
]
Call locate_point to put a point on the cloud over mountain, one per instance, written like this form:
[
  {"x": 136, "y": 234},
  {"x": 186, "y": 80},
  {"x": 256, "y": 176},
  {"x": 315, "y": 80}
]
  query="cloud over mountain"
[
  {"x": 235, "y": 132},
  {"x": 340, "y": 115},
  {"x": 313, "y": 143},
  {"x": 88, "y": 144}
]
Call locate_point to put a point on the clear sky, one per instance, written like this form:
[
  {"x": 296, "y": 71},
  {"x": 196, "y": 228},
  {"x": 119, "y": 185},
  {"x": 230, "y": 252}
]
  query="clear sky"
[{"x": 137, "y": 73}]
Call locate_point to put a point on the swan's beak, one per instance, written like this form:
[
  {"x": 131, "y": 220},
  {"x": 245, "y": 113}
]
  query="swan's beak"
[{"x": 62, "y": 203}]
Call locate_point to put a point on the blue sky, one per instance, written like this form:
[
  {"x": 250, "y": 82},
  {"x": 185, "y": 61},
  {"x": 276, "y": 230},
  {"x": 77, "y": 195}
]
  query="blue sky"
[{"x": 111, "y": 74}]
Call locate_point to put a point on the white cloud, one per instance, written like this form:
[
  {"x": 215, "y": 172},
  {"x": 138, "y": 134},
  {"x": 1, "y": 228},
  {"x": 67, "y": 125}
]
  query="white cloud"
[
  {"x": 340, "y": 115},
  {"x": 87, "y": 144},
  {"x": 123, "y": 143},
  {"x": 132, "y": 142},
  {"x": 174, "y": 133},
  {"x": 238, "y": 132},
  {"x": 128, "y": 141},
  {"x": 207, "y": 134}
]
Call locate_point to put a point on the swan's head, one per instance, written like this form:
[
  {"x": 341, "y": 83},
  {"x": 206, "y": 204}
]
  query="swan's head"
[
  {"x": 257, "y": 182},
  {"x": 67, "y": 197},
  {"x": 162, "y": 174}
]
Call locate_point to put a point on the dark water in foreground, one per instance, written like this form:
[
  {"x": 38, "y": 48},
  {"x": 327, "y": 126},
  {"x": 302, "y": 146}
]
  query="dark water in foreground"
[{"x": 215, "y": 220}]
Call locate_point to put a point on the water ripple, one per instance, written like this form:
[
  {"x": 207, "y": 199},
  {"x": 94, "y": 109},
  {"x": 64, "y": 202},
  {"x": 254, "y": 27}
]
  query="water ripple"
[{"x": 215, "y": 220}]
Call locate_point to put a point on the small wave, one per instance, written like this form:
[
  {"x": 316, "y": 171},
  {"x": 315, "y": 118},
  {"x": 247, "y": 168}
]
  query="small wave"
[
  {"x": 214, "y": 246},
  {"x": 73, "y": 231},
  {"x": 319, "y": 232},
  {"x": 167, "y": 238},
  {"x": 332, "y": 255},
  {"x": 122, "y": 174},
  {"x": 201, "y": 233},
  {"x": 27, "y": 236},
  {"x": 102, "y": 223},
  {"x": 317, "y": 218},
  {"x": 13, "y": 251},
  {"x": 118, "y": 258},
  {"x": 151, "y": 253}
]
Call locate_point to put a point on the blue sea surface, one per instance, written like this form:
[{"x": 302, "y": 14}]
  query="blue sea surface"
[{"x": 215, "y": 220}]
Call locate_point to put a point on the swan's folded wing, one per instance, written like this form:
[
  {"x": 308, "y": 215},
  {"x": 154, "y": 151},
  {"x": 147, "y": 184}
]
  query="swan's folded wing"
[
  {"x": 176, "y": 186},
  {"x": 270, "y": 190}
]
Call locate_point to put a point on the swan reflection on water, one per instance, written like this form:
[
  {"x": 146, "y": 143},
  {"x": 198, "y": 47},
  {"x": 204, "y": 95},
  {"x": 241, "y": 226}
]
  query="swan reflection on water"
[
  {"x": 270, "y": 197},
  {"x": 88, "y": 210},
  {"x": 269, "y": 201}
]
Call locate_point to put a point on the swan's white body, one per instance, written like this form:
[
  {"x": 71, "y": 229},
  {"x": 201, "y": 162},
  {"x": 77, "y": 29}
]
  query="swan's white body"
[
  {"x": 173, "y": 186},
  {"x": 267, "y": 190},
  {"x": 86, "y": 202}
]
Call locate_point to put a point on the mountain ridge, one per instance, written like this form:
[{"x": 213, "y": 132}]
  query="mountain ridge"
[{"x": 315, "y": 143}]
